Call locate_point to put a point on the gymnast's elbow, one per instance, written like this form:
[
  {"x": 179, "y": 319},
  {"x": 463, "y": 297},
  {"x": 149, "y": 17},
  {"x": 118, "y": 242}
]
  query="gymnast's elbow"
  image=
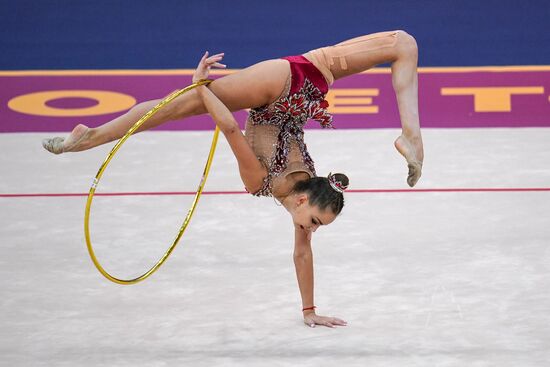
[
  {"x": 228, "y": 126},
  {"x": 302, "y": 255}
]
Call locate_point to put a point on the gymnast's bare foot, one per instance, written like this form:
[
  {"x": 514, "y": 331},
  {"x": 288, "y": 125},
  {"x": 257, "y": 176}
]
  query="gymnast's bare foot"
[
  {"x": 412, "y": 149},
  {"x": 73, "y": 143}
]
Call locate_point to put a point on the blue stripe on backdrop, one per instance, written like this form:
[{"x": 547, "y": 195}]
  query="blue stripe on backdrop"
[{"x": 107, "y": 34}]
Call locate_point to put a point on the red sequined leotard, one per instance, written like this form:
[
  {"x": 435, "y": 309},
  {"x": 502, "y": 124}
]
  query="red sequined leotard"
[{"x": 276, "y": 131}]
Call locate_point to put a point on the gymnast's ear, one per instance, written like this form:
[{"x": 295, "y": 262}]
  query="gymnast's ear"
[{"x": 301, "y": 198}]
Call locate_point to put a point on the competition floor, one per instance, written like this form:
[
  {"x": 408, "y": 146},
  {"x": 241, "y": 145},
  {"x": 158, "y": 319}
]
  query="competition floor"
[{"x": 424, "y": 278}]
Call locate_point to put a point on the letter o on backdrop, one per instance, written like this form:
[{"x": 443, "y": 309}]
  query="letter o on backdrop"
[{"x": 36, "y": 103}]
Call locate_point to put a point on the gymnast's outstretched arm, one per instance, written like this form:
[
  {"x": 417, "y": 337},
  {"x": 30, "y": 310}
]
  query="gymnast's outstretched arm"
[
  {"x": 303, "y": 261},
  {"x": 251, "y": 170}
]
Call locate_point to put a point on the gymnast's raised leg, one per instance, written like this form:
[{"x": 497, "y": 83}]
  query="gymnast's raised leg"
[
  {"x": 254, "y": 86},
  {"x": 362, "y": 53}
]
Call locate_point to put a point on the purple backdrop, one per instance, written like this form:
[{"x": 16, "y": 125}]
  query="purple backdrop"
[{"x": 436, "y": 109}]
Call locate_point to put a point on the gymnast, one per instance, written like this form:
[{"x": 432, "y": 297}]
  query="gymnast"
[{"x": 273, "y": 160}]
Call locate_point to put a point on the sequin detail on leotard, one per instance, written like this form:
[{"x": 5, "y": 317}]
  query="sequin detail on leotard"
[{"x": 304, "y": 101}]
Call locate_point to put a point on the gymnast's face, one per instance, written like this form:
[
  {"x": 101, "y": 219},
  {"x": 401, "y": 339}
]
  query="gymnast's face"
[{"x": 310, "y": 217}]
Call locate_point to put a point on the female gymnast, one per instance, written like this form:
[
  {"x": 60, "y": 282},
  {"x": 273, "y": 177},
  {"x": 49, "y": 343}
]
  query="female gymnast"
[{"x": 282, "y": 95}]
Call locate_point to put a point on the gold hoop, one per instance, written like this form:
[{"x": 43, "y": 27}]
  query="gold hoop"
[{"x": 140, "y": 122}]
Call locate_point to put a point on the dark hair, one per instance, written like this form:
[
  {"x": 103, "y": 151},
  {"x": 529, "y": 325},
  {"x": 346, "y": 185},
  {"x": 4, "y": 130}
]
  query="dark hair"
[{"x": 321, "y": 193}]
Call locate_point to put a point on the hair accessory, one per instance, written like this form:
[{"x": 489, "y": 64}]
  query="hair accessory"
[{"x": 335, "y": 184}]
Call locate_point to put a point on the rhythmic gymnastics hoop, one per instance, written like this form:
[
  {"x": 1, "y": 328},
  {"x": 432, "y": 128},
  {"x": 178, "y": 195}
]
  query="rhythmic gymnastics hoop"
[{"x": 110, "y": 156}]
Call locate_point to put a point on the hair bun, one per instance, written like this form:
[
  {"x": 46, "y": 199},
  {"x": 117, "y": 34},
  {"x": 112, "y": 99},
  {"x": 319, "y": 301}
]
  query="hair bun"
[{"x": 338, "y": 181}]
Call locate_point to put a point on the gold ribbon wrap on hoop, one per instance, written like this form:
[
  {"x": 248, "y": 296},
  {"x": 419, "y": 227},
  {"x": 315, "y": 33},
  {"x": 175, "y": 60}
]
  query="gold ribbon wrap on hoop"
[{"x": 110, "y": 156}]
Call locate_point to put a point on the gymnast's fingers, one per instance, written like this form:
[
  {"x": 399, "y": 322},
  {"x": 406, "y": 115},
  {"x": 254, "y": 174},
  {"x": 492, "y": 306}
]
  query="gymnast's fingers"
[
  {"x": 212, "y": 60},
  {"x": 337, "y": 321},
  {"x": 327, "y": 324},
  {"x": 215, "y": 57},
  {"x": 218, "y": 65}
]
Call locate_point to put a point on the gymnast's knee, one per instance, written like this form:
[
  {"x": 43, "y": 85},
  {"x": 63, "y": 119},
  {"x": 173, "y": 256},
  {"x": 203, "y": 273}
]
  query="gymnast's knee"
[{"x": 406, "y": 45}]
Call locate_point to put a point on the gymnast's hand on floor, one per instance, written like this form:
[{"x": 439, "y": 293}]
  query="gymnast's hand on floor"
[
  {"x": 311, "y": 319},
  {"x": 203, "y": 69},
  {"x": 412, "y": 149}
]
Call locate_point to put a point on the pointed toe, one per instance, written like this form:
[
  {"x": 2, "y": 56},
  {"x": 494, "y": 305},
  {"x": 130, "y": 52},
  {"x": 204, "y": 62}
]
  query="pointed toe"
[{"x": 53, "y": 145}]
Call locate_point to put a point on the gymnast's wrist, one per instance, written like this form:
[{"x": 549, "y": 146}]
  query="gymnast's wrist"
[
  {"x": 308, "y": 310},
  {"x": 194, "y": 81}
]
